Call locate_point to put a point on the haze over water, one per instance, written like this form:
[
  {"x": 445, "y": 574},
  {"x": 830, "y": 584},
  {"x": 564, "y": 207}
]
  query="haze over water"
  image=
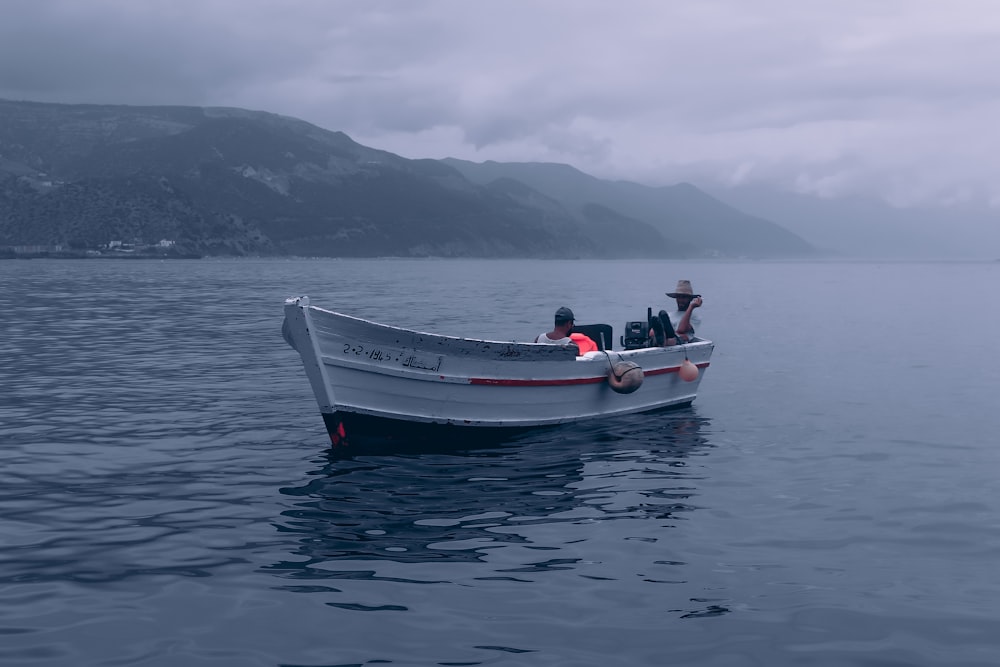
[{"x": 168, "y": 495}]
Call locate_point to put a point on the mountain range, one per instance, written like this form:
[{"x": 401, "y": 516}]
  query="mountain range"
[
  {"x": 226, "y": 181},
  {"x": 869, "y": 227}
]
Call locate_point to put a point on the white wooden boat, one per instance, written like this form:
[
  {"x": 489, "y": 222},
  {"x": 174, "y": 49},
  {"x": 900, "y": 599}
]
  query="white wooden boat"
[{"x": 376, "y": 379}]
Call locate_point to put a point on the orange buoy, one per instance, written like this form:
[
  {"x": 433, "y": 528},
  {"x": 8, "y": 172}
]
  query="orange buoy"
[{"x": 688, "y": 371}]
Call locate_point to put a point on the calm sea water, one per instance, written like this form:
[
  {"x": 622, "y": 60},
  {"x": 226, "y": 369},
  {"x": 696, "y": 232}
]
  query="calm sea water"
[{"x": 167, "y": 495}]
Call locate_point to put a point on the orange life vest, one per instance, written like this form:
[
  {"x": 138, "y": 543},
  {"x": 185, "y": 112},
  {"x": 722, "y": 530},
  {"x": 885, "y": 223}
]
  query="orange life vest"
[{"x": 583, "y": 342}]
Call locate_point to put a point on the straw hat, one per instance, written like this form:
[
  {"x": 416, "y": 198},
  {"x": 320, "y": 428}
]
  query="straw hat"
[{"x": 683, "y": 289}]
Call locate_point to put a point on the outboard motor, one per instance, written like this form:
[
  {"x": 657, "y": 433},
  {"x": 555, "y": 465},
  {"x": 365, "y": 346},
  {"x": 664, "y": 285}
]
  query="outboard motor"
[
  {"x": 636, "y": 332},
  {"x": 635, "y": 335}
]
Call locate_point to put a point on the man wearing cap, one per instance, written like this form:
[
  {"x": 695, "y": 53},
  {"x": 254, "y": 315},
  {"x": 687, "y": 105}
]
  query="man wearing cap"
[
  {"x": 684, "y": 319},
  {"x": 560, "y": 333}
]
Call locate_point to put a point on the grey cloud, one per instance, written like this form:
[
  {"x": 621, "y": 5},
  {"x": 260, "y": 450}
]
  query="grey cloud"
[{"x": 848, "y": 96}]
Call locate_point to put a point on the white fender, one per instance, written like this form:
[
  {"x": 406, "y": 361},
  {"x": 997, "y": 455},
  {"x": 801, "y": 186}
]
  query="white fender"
[{"x": 625, "y": 377}]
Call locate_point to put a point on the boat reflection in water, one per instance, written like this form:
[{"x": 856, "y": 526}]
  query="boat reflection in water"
[{"x": 533, "y": 493}]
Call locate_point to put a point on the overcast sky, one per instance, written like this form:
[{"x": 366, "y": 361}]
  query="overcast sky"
[{"x": 899, "y": 98}]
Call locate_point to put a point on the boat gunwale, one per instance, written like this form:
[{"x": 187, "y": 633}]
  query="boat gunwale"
[{"x": 623, "y": 355}]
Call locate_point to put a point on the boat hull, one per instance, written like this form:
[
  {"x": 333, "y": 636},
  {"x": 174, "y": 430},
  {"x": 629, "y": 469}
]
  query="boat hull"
[
  {"x": 374, "y": 378},
  {"x": 348, "y": 430}
]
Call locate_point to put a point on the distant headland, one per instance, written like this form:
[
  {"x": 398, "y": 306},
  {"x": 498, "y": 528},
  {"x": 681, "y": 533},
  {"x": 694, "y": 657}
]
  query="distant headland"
[{"x": 80, "y": 181}]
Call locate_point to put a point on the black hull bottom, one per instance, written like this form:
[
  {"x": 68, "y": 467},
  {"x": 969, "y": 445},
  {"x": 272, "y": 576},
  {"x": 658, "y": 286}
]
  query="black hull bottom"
[
  {"x": 355, "y": 433},
  {"x": 352, "y": 433}
]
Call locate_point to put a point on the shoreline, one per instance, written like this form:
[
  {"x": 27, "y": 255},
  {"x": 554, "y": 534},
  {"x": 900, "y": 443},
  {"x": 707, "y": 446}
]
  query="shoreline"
[{"x": 64, "y": 255}]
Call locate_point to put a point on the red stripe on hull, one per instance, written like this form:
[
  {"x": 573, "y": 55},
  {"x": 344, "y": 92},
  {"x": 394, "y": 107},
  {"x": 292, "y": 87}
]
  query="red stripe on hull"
[
  {"x": 498, "y": 382},
  {"x": 672, "y": 369},
  {"x": 536, "y": 383}
]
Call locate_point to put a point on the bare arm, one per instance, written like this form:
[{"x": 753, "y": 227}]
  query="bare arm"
[{"x": 684, "y": 326}]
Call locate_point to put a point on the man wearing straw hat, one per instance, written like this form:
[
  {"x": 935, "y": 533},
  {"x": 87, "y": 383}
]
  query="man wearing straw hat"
[{"x": 684, "y": 319}]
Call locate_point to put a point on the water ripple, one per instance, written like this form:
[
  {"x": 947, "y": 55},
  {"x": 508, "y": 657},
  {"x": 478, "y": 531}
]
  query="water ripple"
[{"x": 167, "y": 496}]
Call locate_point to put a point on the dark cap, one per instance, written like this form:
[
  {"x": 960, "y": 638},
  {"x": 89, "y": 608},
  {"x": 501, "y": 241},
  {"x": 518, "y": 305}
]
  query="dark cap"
[{"x": 564, "y": 314}]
